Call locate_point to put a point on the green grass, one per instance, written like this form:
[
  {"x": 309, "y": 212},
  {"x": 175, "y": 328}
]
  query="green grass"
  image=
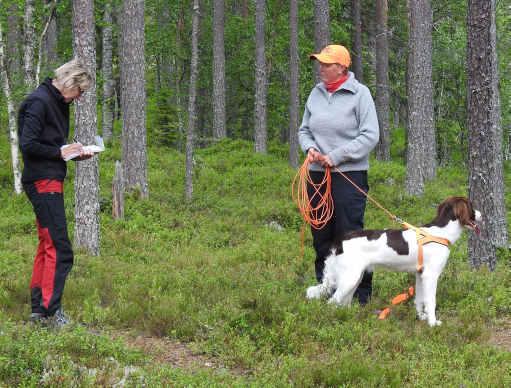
[{"x": 215, "y": 275}]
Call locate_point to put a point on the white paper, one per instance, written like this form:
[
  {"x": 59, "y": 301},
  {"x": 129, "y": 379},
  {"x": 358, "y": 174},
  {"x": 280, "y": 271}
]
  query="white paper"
[{"x": 96, "y": 148}]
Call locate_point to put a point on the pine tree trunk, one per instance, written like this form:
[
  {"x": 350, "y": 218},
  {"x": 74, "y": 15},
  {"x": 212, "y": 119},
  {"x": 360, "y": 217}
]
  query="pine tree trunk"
[
  {"x": 50, "y": 43},
  {"x": 106, "y": 69},
  {"x": 13, "y": 133},
  {"x": 51, "y": 16},
  {"x": 321, "y": 29},
  {"x": 421, "y": 153},
  {"x": 293, "y": 83},
  {"x": 261, "y": 82},
  {"x": 87, "y": 172},
  {"x": 219, "y": 130},
  {"x": 356, "y": 50},
  {"x": 382, "y": 80},
  {"x": 192, "y": 102},
  {"x": 13, "y": 55},
  {"x": 118, "y": 193},
  {"x": 134, "y": 143},
  {"x": 486, "y": 184},
  {"x": 29, "y": 36}
]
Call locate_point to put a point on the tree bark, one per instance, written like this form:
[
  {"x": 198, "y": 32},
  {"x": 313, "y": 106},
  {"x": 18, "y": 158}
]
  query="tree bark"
[
  {"x": 118, "y": 193},
  {"x": 106, "y": 68},
  {"x": 192, "y": 102},
  {"x": 261, "y": 82},
  {"x": 51, "y": 16},
  {"x": 87, "y": 172},
  {"x": 294, "y": 64},
  {"x": 321, "y": 29},
  {"x": 219, "y": 130},
  {"x": 50, "y": 43},
  {"x": 421, "y": 155},
  {"x": 134, "y": 143},
  {"x": 486, "y": 184},
  {"x": 13, "y": 133},
  {"x": 356, "y": 50},
  {"x": 382, "y": 80},
  {"x": 29, "y": 35},
  {"x": 13, "y": 56}
]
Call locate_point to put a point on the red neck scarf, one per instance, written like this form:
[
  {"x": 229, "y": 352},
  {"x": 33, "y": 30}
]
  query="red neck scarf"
[{"x": 333, "y": 86}]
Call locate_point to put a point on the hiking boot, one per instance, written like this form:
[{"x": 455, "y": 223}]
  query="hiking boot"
[
  {"x": 59, "y": 320},
  {"x": 38, "y": 318}
]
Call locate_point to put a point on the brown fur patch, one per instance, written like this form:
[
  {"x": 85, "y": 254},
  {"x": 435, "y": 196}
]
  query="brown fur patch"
[{"x": 453, "y": 208}]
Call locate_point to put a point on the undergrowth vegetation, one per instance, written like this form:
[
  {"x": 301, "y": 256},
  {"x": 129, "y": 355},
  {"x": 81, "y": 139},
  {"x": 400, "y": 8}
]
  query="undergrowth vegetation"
[{"x": 225, "y": 275}]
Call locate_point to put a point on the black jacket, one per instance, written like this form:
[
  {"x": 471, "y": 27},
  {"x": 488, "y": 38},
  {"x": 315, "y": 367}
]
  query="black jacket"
[{"x": 43, "y": 125}]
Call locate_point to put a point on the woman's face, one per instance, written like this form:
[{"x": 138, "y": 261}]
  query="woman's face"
[
  {"x": 330, "y": 72},
  {"x": 71, "y": 94}
]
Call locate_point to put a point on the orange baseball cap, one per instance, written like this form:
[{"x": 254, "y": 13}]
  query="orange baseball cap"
[{"x": 333, "y": 53}]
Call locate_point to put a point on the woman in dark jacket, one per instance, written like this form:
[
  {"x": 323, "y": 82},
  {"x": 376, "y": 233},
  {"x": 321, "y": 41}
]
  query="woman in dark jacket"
[{"x": 43, "y": 123}]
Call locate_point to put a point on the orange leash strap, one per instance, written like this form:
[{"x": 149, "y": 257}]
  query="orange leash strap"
[{"x": 397, "y": 300}]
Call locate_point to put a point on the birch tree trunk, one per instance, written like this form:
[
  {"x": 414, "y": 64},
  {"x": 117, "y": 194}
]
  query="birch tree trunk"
[
  {"x": 356, "y": 50},
  {"x": 486, "y": 184},
  {"x": 29, "y": 36},
  {"x": 87, "y": 172},
  {"x": 421, "y": 153},
  {"x": 13, "y": 133},
  {"x": 192, "y": 102},
  {"x": 321, "y": 29},
  {"x": 261, "y": 83},
  {"x": 106, "y": 69},
  {"x": 382, "y": 80},
  {"x": 219, "y": 130},
  {"x": 134, "y": 143},
  {"x": 293, "y": 83}
]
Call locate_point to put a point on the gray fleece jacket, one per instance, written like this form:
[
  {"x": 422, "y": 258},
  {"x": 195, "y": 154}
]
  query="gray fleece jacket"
[{"x": 342, "y": 125}]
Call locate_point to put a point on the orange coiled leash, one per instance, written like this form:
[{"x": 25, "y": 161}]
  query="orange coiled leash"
[{"x": 316, "y": 216}]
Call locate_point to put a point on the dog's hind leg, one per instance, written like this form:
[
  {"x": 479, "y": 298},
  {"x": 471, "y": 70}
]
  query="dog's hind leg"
[
  {"x": 347, "y": 283},
  {"x": 419, "y": 297}
]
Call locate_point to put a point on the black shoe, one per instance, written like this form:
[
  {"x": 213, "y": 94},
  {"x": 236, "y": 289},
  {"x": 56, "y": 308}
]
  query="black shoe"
[
  {"x": 59, "y": 320},
  {"x": 38, "y": 318}
]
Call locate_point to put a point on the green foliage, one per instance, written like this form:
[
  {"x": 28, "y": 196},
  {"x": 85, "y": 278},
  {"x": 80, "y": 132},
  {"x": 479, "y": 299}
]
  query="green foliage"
[{"x": 225, "y": 275}]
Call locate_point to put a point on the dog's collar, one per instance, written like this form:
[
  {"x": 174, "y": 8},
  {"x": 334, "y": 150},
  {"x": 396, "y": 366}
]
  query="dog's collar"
[{"x": 424, "y": 238}]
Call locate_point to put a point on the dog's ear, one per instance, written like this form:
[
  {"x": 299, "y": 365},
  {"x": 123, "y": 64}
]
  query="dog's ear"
[{"x": 463, "y": 210}]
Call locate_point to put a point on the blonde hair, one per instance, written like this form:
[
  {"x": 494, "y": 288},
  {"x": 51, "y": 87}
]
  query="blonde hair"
[{"x": 73, "y": 74}]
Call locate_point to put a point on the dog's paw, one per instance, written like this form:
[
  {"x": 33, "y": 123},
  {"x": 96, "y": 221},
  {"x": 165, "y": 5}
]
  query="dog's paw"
[
  {"x": 422, "y": 315},
  {"x": 314, "y": 292},
  {"x": 434, "y": 323}
]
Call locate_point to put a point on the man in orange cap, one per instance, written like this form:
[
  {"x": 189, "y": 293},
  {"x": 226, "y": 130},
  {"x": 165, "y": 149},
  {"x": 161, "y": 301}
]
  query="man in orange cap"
[{"x": 339, "y": 129}]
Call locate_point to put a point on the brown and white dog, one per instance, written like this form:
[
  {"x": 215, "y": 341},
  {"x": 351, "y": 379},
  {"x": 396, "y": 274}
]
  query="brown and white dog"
[{"x": 398, "y": 250}]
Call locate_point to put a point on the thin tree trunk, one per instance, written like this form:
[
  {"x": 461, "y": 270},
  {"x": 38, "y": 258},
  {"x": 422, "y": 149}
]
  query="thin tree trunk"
[
  {"x": 486, "y": 183},
  {"x": 294, "y": 64},
  {"x": 42, "y": 38},
  {"x": 50, "y": 43},
  {"x": 321, "y": 29},
  {"x": 261, "y": 82},
  {"x": 13, "y": 56},
  {"x": 106, "y": 68},
  {"x": 118, "y": 193},
  {"x": 192, "y": 102},
  {"x": 421, "y": 153},
  {"x": 356, "y": 50},
  {"x": 134, "y": 143},
  {"x": 219, "y": 130},
  {"x": 87, "y": 171},
  {"x": 29, "y": 35},
  {"x": 13, "y": 133},
  {"x": 382, "y": 80}
]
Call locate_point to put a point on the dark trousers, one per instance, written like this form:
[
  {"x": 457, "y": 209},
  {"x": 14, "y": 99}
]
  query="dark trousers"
[
  {"x": 54, "y": 257},
  {"x": 349, "y": 208}
]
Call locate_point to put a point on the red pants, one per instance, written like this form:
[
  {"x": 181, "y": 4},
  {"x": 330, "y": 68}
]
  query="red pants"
[{"x": 54, "y": 257}]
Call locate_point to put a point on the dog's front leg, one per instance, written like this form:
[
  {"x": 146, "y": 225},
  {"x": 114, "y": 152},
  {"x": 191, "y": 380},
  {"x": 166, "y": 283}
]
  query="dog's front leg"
[
  {"x": 419, "y": 297},
  {"x": 429, "y": 282},
  {"x": 316, "y": 292}
]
